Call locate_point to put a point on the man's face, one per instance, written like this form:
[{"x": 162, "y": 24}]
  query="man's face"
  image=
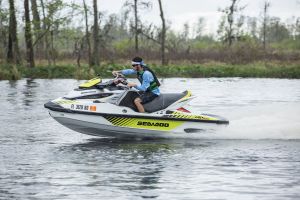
[{"x": 136, "y": 67}]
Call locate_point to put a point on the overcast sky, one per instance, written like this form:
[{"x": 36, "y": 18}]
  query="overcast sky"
[{"x": 179, "y": 12}]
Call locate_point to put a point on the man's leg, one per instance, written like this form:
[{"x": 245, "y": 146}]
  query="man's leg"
[{"x": 138, "y": 103}]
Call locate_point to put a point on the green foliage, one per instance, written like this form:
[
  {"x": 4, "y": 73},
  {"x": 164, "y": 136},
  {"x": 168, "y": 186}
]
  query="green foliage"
[
  {"x": 123, "y": 45},
  {"x": 204, "y": 42},
  {"x": 244, "y": 51},
  {"x": 213, "y": 69},
  {"x": 9, "y": 72},
  {"x": 287, "y": 44},
  {"x": 277, "y": 31},
  {"x": 65, "y": 39},
  {"x": 66, "y": 71}
]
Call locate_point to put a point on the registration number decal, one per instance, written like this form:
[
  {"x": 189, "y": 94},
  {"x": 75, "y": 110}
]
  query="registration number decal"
[{"x": 83, "y": 107}]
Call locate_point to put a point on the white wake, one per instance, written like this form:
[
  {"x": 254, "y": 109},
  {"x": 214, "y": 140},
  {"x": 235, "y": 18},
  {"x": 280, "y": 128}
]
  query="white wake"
[{"x": 272, "y": 121}]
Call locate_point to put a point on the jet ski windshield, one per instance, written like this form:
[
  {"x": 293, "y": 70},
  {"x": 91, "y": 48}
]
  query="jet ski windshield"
[
  {"x": 96, "y": 83},
  {"x": 90, "y": 83}
]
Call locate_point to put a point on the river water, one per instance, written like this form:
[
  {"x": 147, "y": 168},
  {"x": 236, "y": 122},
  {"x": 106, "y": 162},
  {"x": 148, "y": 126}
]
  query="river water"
[{"x": 256, "y": 157}]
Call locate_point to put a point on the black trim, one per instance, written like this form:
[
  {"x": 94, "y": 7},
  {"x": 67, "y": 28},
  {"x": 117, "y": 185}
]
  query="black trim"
[
  {"x": 54, "y": 107},
  {"x": 91, "y": 96}
]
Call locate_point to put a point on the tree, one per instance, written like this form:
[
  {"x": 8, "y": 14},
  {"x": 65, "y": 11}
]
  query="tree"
[
  {"x": 4, "y": 27},
  {"x": 297, "y": 29},
  {"x": 13, "y": 55},
  {"x": 135, "y": 6},
  {"x": 231, "y": 24},
  {"x": 265, "y": 22},
  {"x": 36, "y": 26},
  {"x": 96, "y": 35},
  {"x": 163, "y": 34},
  {"x": 136, "y": 33},
  {"x": 87, "y": 34},
  {"x": 277, "y": 31},
  {"x": 45, "y": 31},
  {"x": 186, "y": 31},
  {"x": 28, "y": 36},
  {"x": 56, "y": 14},
  {"x": 230, "y": 20},
  {"x": 199, "y": 27},
  {"x": 252, "y": 27}
]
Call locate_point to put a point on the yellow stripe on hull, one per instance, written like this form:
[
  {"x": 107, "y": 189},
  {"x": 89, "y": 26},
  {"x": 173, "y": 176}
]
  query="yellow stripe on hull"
[
  {"x": 150, "y": 124},
  {"x": 182, "y": 115}
]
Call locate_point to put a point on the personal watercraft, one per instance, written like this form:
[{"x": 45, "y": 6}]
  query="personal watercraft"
[{"x": 107, "y": 109}]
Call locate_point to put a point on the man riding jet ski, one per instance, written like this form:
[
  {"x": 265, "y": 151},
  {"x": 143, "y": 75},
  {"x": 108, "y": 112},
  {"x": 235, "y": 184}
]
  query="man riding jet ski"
[
  {"x": 149, "y": 82},
  {"x": 110, "y": 109}
]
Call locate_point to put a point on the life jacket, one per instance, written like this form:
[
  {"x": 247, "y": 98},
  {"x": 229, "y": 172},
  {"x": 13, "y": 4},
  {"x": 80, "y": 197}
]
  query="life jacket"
[{"x": 154, "y": 84}]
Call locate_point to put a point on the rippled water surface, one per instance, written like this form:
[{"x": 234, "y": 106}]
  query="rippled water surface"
[{"x": 256, "y": 157}]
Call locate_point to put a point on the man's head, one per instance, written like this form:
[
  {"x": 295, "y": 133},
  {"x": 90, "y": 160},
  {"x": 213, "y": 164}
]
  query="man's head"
[{"x": 137, "y": 63}]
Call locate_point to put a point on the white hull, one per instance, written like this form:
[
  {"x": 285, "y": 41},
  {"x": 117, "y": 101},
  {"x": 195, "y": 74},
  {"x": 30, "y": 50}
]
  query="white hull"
[
  {"x": 112, "y": 113},
  {"x": 99, "y": 126}
]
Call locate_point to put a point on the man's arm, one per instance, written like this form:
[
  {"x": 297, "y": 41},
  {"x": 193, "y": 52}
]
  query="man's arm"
[
  {"x": 124, "y": 72},
  {"x": 128, "y": 71}
]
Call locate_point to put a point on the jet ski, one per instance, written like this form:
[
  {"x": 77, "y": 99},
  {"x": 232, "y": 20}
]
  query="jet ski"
[{"x": 106, "y": 109}]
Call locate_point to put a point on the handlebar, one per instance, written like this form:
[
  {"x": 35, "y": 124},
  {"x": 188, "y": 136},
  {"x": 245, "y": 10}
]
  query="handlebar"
[{"x": 120, "y": 78}]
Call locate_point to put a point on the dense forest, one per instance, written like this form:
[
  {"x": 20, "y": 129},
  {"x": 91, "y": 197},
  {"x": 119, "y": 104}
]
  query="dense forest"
[{"x": 64, "y": 33}]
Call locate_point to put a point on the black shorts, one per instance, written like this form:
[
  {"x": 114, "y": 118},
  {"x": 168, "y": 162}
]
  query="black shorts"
[{"x": 147, "y": 97}]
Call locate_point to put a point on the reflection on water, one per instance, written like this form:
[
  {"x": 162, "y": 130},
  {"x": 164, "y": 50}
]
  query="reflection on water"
[
  {"x": 141, "y": 146},
  {"x": 40, "y": 159},
  {"x": 133, "y": 166},
  {"x": 29, "y": 92},
  {"x": 12, "y": 94},
  {"x": 12, "y": 84},
  {"x": 24, "y": 90}
]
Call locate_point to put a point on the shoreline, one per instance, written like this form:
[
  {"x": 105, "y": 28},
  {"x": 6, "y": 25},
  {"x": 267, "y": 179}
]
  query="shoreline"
[{"x": 205, "y": 70}]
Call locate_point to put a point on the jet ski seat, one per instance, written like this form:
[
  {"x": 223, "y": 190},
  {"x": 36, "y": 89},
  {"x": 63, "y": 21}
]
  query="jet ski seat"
[
  {"x": 163, "y": 101},
  {"x": 159, "y": 103}
]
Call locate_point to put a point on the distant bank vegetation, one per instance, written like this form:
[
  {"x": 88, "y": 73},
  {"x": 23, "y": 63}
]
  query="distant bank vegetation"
[
  {"x": 48, "y": 44},
  {"x": 213, "y": 69}
]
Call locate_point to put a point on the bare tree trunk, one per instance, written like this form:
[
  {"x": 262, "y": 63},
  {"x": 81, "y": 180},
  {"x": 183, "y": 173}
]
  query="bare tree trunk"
[
  {"x": 96, "y": 35},
  {"x": 136, "y": 26},
  {"x": 3, "y": 34},
  {"x": 266, "y": 7},
  {"x": 36, "y": 26},
  {"x": 45, "y": 41},
  {"x": 13, "y": 54},
  {"x": 28, "y": 36},
  {"x": 163, "y": 34},
  {"x": 10, "y": 50},
  {"x": 87, "y": 34},
  {"x": 78, "y": 46},
  {"x": 53, "y": 52},
  {"x": 230, "y": 21}
]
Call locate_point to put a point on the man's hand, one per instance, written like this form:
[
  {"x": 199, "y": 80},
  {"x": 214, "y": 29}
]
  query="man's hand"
[
  {"x": 115, "y": 73},
  {"x": 130, "y": 84}
]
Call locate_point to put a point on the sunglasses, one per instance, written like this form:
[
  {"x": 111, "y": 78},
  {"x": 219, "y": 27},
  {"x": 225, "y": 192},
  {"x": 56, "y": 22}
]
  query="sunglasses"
[{"x": 134, "y": 65}]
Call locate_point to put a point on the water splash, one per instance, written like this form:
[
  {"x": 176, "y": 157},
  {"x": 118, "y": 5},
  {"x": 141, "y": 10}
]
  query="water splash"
[{"x": 272, "y": 121}]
